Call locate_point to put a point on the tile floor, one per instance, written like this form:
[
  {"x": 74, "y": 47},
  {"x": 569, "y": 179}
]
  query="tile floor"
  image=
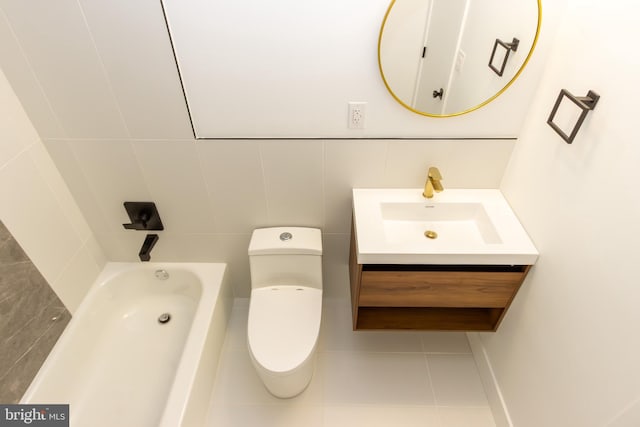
[{"x": 373, "y": 379}]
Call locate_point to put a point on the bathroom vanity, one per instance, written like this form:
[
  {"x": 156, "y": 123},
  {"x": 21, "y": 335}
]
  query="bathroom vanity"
[{"x": 454, "y": 262}]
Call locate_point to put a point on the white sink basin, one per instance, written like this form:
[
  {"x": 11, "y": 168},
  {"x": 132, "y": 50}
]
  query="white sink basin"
[{"x": 472, "y": 227}]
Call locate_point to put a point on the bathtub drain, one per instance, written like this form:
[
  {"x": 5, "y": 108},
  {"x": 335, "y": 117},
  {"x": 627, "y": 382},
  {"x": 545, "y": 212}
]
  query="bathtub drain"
[
  {"x": 164, "y": 318},
  {"x": 161, "y": 274}
]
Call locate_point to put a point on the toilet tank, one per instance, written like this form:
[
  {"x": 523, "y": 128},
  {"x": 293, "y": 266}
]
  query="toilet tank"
[{"x": 286, "y": 256}]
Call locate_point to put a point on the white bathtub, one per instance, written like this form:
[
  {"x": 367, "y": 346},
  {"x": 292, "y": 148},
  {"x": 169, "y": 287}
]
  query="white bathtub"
[{"x": 117, "y": 365}]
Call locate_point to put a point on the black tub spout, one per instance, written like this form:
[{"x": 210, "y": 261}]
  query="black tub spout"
[{"x": 149, "y": 243}]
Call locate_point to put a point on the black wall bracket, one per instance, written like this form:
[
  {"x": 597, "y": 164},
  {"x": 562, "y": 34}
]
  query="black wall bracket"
[{"x": 143, "y": 216}]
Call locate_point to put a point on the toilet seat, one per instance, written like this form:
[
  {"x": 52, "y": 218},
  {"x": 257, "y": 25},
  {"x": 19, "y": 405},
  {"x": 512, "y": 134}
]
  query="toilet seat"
[{"x": 283, "y": 326}]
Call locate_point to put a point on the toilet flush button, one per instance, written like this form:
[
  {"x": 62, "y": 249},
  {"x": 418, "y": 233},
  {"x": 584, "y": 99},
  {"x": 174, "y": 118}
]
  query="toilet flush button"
[{"x": 286, "y": 236}]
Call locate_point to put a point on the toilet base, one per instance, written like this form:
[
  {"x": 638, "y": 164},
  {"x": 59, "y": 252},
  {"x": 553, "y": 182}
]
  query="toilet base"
[{"x": 287, "y": 384}]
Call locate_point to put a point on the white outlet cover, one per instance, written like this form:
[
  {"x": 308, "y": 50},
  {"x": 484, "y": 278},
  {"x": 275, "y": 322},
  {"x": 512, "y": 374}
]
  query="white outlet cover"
[{"x": 357, "y": 115}]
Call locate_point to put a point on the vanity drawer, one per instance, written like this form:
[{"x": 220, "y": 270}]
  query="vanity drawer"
[{"x": 438, "y": 288}]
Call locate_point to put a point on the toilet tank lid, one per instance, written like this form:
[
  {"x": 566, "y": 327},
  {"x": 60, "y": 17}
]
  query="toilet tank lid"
[{"x": 286, "y": 241}]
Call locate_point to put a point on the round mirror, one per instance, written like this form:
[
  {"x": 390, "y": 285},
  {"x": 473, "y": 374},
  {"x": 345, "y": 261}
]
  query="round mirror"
[{"x": 443, "y": 58}]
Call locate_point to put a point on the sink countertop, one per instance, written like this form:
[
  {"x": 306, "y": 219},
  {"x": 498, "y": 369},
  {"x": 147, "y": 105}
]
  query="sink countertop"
[{"x": 474, "y": 226}]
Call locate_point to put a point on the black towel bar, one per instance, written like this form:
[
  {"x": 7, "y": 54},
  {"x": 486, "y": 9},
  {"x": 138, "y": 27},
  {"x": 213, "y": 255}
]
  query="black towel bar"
[
  {"x": 586, "y": 104},
  {"x": 513, "y": 46}
]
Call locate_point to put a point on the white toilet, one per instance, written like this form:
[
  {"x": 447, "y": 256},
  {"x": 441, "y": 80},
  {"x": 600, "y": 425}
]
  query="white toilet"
[{"x": 285, "y": 306}]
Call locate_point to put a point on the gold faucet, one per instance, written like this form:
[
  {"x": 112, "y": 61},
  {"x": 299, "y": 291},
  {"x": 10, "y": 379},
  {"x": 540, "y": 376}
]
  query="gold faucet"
[{"x": 433, "y": 183}]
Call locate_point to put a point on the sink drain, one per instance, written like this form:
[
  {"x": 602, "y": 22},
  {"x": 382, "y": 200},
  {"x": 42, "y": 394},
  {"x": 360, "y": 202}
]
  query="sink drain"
[
  {"x": 164, "y": 318},
  {"x": 430, "y": 234}
]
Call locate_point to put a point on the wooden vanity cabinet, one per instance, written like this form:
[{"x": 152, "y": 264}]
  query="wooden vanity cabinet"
[{"x": 431, "y": 297}]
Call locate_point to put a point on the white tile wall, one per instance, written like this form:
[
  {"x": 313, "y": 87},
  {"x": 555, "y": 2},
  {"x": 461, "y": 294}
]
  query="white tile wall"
[
  {"x": 77, "y": 276},
  {"x": 381, "y": 379},
  {"x": 35, "y": 218},
  {"x": 350, "y": 164},
  {"x": 335, "y": 265},
  {"x": 125, "y": 245},
  {"x": 90, "y": 61},
  {"x": 69, "y": 167},
  {"x": 64, "y": 59},
  {"x": 59, "y": 189},
  {"x": 17, "y": 132},
  {"x": 463, "y": 163},
  {"x": 113, "y": 176},
  {"x": 212, "y": 194},
  {"x": 38, "y": 209},
  {"x": 172, "y": 174},
  {"x": 293, "y": 179},
  {"x": 234, "y": 177},
  {"x": 18, "y": 71},
  {"x": 152, "y": 106}
]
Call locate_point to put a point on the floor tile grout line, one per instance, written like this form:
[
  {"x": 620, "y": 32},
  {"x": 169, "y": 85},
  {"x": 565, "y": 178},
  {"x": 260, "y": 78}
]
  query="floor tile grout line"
[{"x": 430, "y": 379}]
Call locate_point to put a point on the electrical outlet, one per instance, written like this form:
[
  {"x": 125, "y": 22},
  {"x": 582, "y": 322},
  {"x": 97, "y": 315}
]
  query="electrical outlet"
[{"x": 357, "y": 115}]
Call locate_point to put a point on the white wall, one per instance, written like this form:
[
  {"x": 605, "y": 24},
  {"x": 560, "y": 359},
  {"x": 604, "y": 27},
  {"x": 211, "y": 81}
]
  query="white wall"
[
  {"x": 212, "y": 194},
  {"x": 39, "y": 211},
  {"x": 568, "y": 351},
  {"x": 99, "y": 82}
]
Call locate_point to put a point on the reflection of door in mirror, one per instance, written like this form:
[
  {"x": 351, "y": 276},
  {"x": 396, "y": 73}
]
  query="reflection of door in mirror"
[
  {"x": 444, "y": 24},
  {"x": 426, "y": 45}
]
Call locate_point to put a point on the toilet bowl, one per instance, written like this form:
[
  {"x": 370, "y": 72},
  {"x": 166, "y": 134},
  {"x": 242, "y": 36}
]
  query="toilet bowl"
[{"x": 285, "y": 306}]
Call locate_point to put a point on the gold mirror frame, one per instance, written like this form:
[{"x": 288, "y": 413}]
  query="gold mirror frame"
[{"x": 500, "y": 92}]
